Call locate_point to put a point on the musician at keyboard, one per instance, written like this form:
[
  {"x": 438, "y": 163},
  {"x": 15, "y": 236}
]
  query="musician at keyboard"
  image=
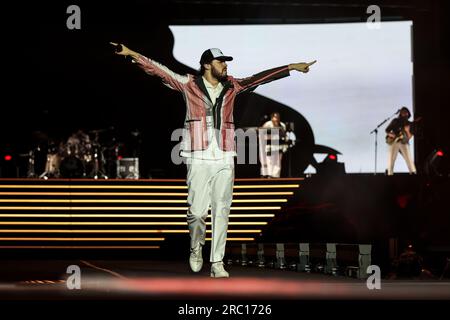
[{"x": 273, "y": 142}]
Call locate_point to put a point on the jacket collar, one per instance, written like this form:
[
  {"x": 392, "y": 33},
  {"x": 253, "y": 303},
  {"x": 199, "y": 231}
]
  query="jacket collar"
[{"x": 199, "y": 82}]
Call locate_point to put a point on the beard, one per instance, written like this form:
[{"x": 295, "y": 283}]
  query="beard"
[{"x": 219, "y": 76}]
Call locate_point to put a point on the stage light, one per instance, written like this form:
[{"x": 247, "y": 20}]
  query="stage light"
[
  {"x": 140, "y": 194},
  {"x": 68, "y": 200},
  {"x": 141, "y": 187},
  {"x": 120, "y": 223},
  {"x": 330, "y": 166},
  {"x": 437, "y": 164},
  {"x": 8, "y": 166},
  {"x": 79, "y": 247},
  {"x": 128, "y": 215},
  {"x": 77, "y": 239},
  {"x": 27, "y": 231}
]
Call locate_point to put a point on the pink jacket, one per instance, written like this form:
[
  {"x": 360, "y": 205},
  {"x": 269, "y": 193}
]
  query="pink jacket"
[{"x": 197, "y": 100}]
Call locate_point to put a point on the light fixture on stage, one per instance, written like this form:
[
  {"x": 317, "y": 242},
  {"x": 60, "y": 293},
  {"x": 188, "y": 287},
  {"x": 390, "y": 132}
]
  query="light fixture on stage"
[
  {"x": 437, "y": 164},
  {"x": 331, "y": 166},
  {"x": 8, "y": 166}
]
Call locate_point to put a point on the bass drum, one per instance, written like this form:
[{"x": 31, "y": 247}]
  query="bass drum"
[
  {"x": 53, "y": 163},
  {"x": 71, "y": 167}
]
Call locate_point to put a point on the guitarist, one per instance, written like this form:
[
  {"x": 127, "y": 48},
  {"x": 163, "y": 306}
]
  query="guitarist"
[{"x": 399, "y": 132}]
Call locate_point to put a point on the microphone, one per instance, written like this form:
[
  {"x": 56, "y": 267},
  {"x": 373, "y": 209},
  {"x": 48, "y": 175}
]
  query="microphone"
[{"x": 398, "y": 111}]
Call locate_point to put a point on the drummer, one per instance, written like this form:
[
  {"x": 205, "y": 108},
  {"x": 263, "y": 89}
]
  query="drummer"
[{"x": 77, "y": 142}]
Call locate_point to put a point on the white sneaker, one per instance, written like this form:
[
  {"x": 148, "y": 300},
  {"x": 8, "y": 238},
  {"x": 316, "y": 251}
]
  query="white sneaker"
[
  {"x": 195, "y": 259},
  {"x": 218, "y": 271}
]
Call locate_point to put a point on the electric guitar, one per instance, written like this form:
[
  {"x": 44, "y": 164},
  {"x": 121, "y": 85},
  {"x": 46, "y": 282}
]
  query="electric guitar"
[{"x": 392, "y": 138}]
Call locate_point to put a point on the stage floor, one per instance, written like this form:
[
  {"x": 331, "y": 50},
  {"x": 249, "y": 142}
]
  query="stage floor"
[{"x": 173, "y": 280}]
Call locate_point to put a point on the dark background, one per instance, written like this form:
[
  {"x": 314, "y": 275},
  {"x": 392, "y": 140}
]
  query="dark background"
[{"x": 57, "y": 80}]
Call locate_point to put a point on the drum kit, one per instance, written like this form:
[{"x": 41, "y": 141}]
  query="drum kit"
[{"x": 78, "y": 157}]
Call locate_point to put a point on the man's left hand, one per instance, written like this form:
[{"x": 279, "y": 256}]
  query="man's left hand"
[{"x": 302, "y": 66}]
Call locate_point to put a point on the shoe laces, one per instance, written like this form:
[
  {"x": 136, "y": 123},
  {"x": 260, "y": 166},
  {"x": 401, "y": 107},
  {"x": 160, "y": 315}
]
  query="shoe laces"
[{"x": 196, "y": 251}]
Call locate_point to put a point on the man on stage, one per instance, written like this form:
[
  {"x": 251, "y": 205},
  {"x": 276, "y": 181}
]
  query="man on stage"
[{"x": 208, "y": 143}]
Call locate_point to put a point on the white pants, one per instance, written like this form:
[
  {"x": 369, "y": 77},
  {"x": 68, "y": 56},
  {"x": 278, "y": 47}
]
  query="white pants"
[
  {"x": 210, "y": 183},
  {"x": 404, "y": 150},
  {"x": 271, "y": 164}
]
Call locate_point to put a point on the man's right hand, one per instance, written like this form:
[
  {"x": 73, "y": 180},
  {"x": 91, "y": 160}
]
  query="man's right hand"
[
  {"x": 120, "y": 49},
  {"x": 124, "y": 51}
]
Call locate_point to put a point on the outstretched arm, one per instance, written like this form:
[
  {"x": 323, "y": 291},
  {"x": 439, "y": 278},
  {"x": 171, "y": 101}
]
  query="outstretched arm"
[
  {"x": 171, "y": 79},
  {"x": 271, "y": 75}
]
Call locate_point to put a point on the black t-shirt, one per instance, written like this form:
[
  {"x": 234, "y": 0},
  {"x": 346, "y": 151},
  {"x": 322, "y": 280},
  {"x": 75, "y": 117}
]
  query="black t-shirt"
[{"x": 397, "y": 125}]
